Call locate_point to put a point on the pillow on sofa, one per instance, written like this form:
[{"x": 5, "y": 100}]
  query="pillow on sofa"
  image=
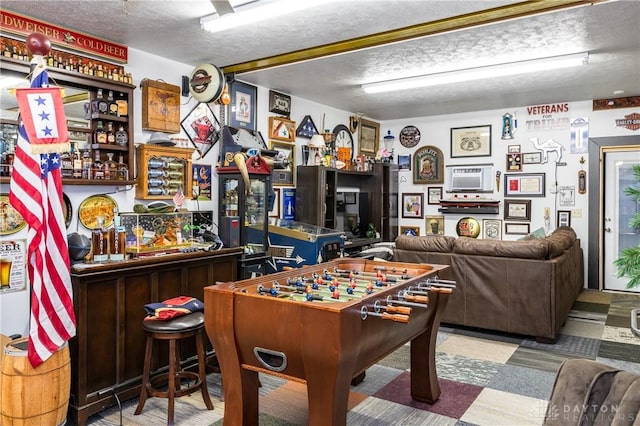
[
  {"x": 435, "y": 243},
  {"x": 560, "y": 240},
  {"x": 534, "y": 249}
]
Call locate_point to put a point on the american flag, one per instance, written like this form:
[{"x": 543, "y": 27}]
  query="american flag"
[{"x": 36, "y": 193}]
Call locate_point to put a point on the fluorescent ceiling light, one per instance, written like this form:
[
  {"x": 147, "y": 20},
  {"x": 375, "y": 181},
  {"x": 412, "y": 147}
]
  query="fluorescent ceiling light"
[
  {"x": 469, "y": 74},
  {"x": 251, "y": 14}
]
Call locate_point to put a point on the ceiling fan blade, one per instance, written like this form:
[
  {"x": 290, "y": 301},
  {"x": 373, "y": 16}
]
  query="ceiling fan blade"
[{"x": 222, "y": 6}]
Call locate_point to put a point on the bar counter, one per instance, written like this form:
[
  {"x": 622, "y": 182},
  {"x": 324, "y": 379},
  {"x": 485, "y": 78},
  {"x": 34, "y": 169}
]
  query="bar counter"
[{"x": 107, "y": 354}]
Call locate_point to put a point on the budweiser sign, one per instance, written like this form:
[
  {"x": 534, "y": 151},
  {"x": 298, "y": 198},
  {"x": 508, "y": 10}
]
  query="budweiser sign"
[{"x": 631, "y": 121}]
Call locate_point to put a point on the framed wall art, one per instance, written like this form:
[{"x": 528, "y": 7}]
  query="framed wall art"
[
  {"x": 282, "y": 129},
  {"x": 517, "y": 209},
  {"x": 275, "y": 211},
  {"x": 410, "y": 230},
  {"x": 428, "y": 165},
  {"x": 404, "y": 162},
  {"x": 471, "y": 141},
  {"x": 160, "y": 106},
  {"x": 564, "y": 218},
  {"x": 412, "y": 205},
  {"x": 434, "y": 224},
  {"x": 243, "y": 105},
  {"x": 350, "y": 197},
  {"x": 434, "y": 194},
  {"x": 368, "y": 137},
  {"x": 279, "y": 103},
  {"x": 516, "y": 228},
  {"x": 514, "y": 162},
  {"x": 202, "y": 128},
  {"x": 286, "y": 151},
  {"x": 532, "y": 157},
  {"x": 491, "y": 229},
  {"x": 524, "y": 185},
  {"x": 306, "y": 128}
]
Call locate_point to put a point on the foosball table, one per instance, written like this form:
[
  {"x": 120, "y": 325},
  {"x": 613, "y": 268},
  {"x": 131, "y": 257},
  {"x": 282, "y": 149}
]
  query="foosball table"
[{"x": 323, "y": 325}]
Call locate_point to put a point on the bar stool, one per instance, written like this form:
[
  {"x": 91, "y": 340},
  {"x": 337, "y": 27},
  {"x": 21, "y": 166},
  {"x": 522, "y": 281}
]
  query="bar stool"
[{"x": 174, "y": 330}]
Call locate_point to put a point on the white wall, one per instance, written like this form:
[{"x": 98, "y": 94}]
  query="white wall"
[{"x": 14, "y": 307}]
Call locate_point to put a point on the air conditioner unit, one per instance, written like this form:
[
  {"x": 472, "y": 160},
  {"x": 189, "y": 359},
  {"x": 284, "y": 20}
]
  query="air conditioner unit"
[{"x": 469, "y": 178}]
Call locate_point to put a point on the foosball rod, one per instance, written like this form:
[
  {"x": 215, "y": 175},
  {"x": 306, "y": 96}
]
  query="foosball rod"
[
  {"x": 441, "y": 283},
  {"x": 408, "y": 300},
  {"x": 404, "y": 310},
  {"x": 372, "y": 274},
  {"x": 364, "y": 313}
]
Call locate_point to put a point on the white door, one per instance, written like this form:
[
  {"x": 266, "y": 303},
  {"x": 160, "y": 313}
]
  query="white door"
[{"x": 618, "y": 209}]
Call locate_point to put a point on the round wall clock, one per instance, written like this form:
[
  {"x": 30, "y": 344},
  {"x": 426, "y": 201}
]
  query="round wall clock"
[
  {"x": 343, "y": 138},
  {"x": 409, "y": 136}
]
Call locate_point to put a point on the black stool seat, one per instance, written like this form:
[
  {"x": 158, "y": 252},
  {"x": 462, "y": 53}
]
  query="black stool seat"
[{"x": 174, "y": 330}]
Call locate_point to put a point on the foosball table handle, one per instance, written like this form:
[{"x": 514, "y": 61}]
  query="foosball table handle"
[{"x": 396, "y": 317}]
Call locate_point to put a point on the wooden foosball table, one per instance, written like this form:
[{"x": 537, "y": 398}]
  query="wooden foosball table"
[{"x": 323, "y": 325}]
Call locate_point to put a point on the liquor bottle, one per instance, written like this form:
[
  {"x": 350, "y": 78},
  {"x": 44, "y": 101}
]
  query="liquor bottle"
[
  {"x": 99, "y": 105},
  {"x": 110, "y": 167},
  {"x": 117, "y": 239},
  {"x": 97, "y": 167},
  {"x": 100, "y": 135},
  {"x": 66, "y": 164},
  {"x": 99, "y": 242},
  {"x": 86, "y": 165},
  {"x": 77, "y": 164},
  {"x": 122, "y": 138},
  {"x": 123, "y": 170},
  {"x": 113, "y": 106},
  {"x": 123, "y": 107},
  {"x": 111, "y": 137}
]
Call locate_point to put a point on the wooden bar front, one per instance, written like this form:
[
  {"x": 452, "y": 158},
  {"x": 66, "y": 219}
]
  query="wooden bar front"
[
  {"x": 107, "y": 354},
  {"x": 321, "y": 343}
]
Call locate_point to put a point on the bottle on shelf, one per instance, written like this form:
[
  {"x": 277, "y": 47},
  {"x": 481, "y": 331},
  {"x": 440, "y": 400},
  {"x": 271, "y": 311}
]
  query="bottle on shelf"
[
  {"x": 123, "y": 170},
  {"x": 117, "y": 239},
  {"x": 86, "y": 165},
  {"x": 123, "y": 107},
  {"x": 121, "y": 136},
  {"x": 97, "y": 167},
  {"x": 111, "y": 136},
  {"x": 99, "y": 242},
  {"x": 110, "y": 167},
  {"x": 100, "y": 135},
  {"x": 66, "y": 164},
  {"x": 113, "y": 106},
  {"x": 76, "y": 160},
  {"x": 99, "y": 104}
]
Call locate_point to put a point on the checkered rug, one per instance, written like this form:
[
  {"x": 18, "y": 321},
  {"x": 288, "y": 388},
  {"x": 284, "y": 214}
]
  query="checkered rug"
[{"x": 486, "y": 378}]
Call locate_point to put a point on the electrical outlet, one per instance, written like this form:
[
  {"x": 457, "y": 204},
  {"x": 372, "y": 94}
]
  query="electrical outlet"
[{"x": 576, "y": 213}]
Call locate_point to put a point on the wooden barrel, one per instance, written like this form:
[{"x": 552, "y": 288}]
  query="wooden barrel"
[{"x": 34, "y": 396}]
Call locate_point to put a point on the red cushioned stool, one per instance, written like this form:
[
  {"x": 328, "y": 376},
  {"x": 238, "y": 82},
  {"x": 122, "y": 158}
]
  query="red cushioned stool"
[{"x": 174, "y": 330}]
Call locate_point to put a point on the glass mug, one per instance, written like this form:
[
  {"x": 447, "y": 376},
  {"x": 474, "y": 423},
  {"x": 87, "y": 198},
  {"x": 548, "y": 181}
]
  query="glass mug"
[{"x": 5, "y": 271}]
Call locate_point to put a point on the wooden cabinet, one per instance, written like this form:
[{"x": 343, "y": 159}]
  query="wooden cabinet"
[
  {"x": 319, "y": 189},
  {"x": 107, "y": 353},
  {"x": 162, "y": 171},
  {"x": 81, "y": 89}
]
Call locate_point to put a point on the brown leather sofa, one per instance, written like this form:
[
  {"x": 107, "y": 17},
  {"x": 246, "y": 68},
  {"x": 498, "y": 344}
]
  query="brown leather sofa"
[{"x": 522, "y": 287}]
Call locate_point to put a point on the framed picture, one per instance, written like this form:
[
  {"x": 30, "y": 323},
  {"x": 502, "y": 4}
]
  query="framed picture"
[
  {"x": 282, "y": 129},
  {"x": 410, "y": 230},
  {"x": 524, "y": 185},
  {"x": 350, "y": 198},
  {"x": 517, "y": 209},
  {"x": 514, "y": 162},
  {"x": 564, "y": 218},
  {"x": 404, "y": 162},
  {"x": 202, "y": 128},
  {"x": 275, "y": 211},
  {"x": 532, "y": 157},
  {"x": 516, "y": 228},
  {"x": 434, "y": 224},
  {"x": 513, "y": 149},
  {"x": 201, "y": 182},
  {"x": 471, "y": 141},
  {"x": 350, "y": 221},
  {"x": 428, "y": 165},
  {"x": 243, "y": 105},
  {"x": 279, "y": 103},
  {"x": 160, "y": 106},
  {"x": 368, "y": 137},
  {"x": 434, "y": 194},
  {"x": 286, "y": 151},
  {"x": 491, "y": 229},
  {"x": 567, "y": 196},
  {"x": 306, "y": 128},
  {"x": 412, "y": 205}
]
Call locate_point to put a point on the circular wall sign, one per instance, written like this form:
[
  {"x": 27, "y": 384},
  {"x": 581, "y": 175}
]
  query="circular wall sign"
[
  {"x": 409, "y": 136},
  {"x": 206, "y": 83},
  {"x": 468, "y": 227}
]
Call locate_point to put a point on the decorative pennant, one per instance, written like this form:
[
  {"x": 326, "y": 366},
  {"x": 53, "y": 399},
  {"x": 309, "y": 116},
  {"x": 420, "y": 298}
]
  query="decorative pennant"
[{"x": 42, "y": 112}]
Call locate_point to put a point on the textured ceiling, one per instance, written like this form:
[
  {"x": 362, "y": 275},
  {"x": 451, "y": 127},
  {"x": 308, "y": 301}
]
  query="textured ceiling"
[{"x": 610, "y": 31}]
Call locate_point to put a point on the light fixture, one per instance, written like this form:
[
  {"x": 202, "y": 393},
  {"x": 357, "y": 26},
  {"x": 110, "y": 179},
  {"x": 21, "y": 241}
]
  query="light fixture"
[
  {"x": 254, "y": 12},
  {"x": 470, "y": 74}
]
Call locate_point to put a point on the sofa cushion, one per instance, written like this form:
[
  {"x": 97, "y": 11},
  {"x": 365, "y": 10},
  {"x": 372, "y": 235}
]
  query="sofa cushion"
[
  {"x": 437, "y": 243},
  {"x": 560, "y": 240},
  {"x": 534, "y": 249}
]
